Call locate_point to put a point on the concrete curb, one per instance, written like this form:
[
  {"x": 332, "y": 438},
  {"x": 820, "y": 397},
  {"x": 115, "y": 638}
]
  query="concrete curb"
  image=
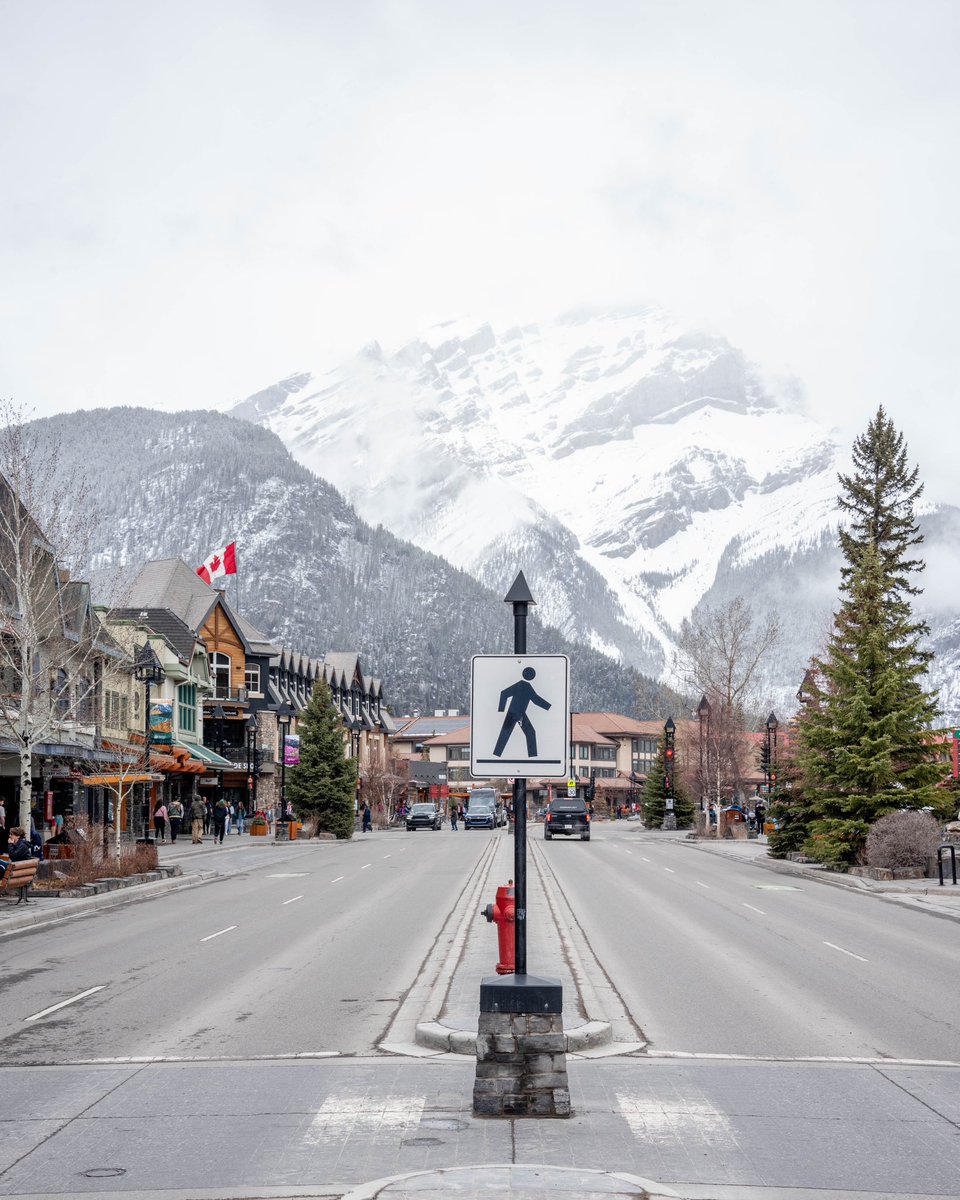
[
  {"x": 445, "y": 1039},
  {"x": 81, "y": 906},
  {"x": 489, "y": 1179}
]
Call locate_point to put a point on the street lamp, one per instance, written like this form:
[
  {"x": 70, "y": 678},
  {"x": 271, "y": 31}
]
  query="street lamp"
[
  {"x": 148, "y": 671},
  {"x": 218, "y": 716},
  {"x": 284, "y": 713},
  {"x": 669, "y": 815},
  {"x": 703, "y": 717},
  {"x": 772, "y": 726},
  {"x": 253, "y": 729}
]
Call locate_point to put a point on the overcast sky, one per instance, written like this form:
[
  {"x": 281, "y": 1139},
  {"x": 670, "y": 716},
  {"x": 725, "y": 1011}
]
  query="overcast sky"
[{"x": 202, "y": 196}]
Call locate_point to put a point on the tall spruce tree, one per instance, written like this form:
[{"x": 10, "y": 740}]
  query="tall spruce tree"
[
  {"x": 864, "y": 740},
  {"x": 653, "y": 804},
  {"x": 325, "y": 782}
]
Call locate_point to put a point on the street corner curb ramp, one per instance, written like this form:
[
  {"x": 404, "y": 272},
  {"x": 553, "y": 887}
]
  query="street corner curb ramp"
[
  {"x": 434, "y": 1035},
  {"x": 527, "y": 1182}
]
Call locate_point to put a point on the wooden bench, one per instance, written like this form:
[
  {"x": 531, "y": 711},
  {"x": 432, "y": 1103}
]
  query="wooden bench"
[{"x": 19, "y": 876}]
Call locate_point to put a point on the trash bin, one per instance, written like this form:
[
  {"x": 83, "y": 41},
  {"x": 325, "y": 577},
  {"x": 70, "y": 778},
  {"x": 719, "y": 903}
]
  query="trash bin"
[
  {"x": 282, "y": 830},
  {"x": 294, "y": 827}
]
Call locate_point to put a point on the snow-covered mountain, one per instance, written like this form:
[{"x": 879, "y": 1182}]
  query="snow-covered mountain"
[{"x": 634, "y": 467}]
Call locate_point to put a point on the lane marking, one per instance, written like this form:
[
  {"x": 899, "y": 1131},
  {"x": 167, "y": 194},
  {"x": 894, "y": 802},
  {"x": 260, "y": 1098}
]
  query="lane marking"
[
  {"x": 218, "y": 933},
  {"x": 365, "y": 865},
  {"x": 289, "y": 875},
  {"x": 645, "y": 859},
  {"x": 756, "y": 910},
  {"x": 349, "y": 1112},
  {"x": 842, "y": 951},
  {"x": 670, "y": 869},
  {"x": 338, "y": 878},
  {"x": 703, "y": 885},
  {"x": 629, "y": 851},
  {"x": 293, "y": 899},
  {"x": 776, "y": 887},
  {"x": 386, "y": 856},
  {"x": 63, "y": 1003},
  {"x": 192, "y": 1058}
]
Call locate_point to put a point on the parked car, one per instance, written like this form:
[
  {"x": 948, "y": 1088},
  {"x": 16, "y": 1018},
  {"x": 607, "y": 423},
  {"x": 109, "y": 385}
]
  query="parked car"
[
  {"x": 424, "y": 816},
  {"x": 567, "y": 817},
  {"x": 484, "y": 810}
]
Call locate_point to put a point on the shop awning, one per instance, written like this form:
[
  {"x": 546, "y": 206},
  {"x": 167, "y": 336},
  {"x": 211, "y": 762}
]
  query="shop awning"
[
  {"x": 119, "y": 780},
  {"x": 203, "y": 754}
]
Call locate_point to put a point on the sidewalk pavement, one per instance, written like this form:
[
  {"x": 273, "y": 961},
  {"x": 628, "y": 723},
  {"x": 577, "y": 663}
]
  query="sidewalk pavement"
[{"x": 924, "y": 894}]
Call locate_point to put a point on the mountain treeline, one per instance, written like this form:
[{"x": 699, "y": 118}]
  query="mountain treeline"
[{"x": 311, "y": 574}]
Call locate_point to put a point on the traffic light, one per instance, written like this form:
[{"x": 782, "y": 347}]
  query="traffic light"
[{"x": 764, "y": 758}]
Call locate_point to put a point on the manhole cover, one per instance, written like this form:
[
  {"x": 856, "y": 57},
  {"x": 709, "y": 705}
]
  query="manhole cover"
[{"x": 104, "y": 1172}]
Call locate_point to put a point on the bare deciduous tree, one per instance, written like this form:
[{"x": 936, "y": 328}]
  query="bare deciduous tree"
[
  {"x": 720, "y": 655},
  {"x": 384, "y": 785},
  {"x": 50, "y": 637}
]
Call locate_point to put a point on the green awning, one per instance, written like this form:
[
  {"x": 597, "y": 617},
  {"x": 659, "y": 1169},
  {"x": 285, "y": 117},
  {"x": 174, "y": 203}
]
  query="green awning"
[{"x": 209, "y": 758}]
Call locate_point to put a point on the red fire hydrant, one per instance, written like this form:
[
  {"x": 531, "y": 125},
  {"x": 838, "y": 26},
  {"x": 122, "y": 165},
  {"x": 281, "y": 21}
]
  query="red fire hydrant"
[{"x": 503, "y": 912}]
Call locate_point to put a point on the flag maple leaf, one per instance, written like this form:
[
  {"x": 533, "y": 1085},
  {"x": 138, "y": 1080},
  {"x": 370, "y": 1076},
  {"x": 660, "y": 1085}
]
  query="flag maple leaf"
[{"x": 215, "y": 563}]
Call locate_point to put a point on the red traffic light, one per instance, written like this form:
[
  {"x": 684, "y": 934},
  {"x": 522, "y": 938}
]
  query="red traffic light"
[{"x": 669, "y": 752}]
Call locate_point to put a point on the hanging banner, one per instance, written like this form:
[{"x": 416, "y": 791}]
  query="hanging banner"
[
  {"x": 291, "y": 750},
  {"x": 161, "y": 723}
]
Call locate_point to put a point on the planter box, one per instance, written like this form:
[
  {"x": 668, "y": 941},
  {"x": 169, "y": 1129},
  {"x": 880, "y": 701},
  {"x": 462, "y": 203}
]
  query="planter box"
[{"x": 258, "y": 830}]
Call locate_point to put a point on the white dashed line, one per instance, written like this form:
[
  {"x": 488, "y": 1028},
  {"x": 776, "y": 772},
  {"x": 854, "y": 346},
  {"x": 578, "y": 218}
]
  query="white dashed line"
[
  {"x": 365, "y": 865},
  {"x": 63, "y": 1003},
  {"x": 293, "y": 899},
  {"x": 645, "y": 859},
  {"x": 670, "y": 869},
  {"x": 850, "y": 952},
  {"x": 386, "y": 856},
  {"x": 218, "y": 933},
  {"x": 629, "y": 851},
  {"x": 338, "y": 878},
  {"x": 756, "y": 910},
  {"x": 703, "y": 885}
]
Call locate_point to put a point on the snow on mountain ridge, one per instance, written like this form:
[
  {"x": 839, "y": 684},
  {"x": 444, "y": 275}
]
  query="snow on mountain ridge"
[{"x": 633, "y": 467}]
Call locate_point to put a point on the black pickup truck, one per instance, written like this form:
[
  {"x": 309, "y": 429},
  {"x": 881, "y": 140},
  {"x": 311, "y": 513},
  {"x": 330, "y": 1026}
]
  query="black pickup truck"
[{"x": 567, "y": 817}]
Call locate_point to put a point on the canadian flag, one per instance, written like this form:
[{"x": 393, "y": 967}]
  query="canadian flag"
[{"x": 221, "y": 562}]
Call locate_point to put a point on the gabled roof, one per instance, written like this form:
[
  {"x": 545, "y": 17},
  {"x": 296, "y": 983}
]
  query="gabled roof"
[
  {"x": 176, "y": 633},
  {"x": 347, "y": 662},
  {"x": 169, "y": 583}
]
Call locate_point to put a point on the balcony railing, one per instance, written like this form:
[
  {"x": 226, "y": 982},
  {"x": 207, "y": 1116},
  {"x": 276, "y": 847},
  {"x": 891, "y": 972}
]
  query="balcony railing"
[{"x": 226, "y": 693}]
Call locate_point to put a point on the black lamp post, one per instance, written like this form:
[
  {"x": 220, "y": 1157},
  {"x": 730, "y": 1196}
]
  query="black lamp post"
[
  {"x": 669, "y": 735},
  {"x": 148, "y": 671},
  {"x": 772, "y": 726},
  {"x": 253, "y": 729},
  {"x": 703, "y": 716},
  {"x": 284, "y": 713},
  {"x": 218, "y": 716}
]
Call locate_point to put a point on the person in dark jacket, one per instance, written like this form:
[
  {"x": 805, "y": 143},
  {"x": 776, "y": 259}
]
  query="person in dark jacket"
[
  {"x": 220, "y": 814},
  {"x": 19, "y": 849}
]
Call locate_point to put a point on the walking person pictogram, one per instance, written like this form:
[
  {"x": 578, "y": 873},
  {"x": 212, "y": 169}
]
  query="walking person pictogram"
[{"x": 520, "y": 696}]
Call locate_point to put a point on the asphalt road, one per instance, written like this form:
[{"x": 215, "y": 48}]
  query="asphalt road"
[
  {"x": 312, "y": 948},
  {"x": 717, "y": 957},
  {"x": 307, "y": 952}
]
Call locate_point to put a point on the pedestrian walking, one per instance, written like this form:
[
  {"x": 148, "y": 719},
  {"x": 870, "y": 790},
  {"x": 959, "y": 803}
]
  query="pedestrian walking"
[
  {"x": 453, "y": 817},
  {"x": 198, "y": 813},
  {"x": 219, "y": 820},
  {"x": 759, "y": 812},
  {"x": 241, "y": 817},
  {"x": 175, "y": 817},
  {"x": 231, "y": 812},
  {"x": 160, "y": 821},
  {"x": 207, "y": 815},
  {"x": 367, "y": 819}
]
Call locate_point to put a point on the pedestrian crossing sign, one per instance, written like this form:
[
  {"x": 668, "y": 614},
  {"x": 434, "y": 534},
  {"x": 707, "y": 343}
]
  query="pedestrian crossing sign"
[{"x": 520, "y": 716}]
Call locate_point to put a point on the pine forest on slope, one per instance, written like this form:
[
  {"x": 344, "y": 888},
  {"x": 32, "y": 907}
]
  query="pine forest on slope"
[{"x": 312, "y": 575}]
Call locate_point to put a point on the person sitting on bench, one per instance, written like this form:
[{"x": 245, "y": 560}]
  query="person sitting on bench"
[{"x": 19, "y": 849}]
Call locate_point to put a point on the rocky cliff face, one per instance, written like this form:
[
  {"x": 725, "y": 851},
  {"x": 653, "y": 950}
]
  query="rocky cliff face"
[{"x": 635, "y": 469}]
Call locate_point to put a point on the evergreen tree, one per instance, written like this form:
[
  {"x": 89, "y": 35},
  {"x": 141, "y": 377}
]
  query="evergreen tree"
[
  {"x": 325, "y": 782},
  {"x": 864, "y": 740},
  {"x": 653, "y": 804}
]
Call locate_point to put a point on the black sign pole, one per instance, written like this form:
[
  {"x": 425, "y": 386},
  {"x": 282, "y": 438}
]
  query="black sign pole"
[{"x": 519, "y": 596}]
